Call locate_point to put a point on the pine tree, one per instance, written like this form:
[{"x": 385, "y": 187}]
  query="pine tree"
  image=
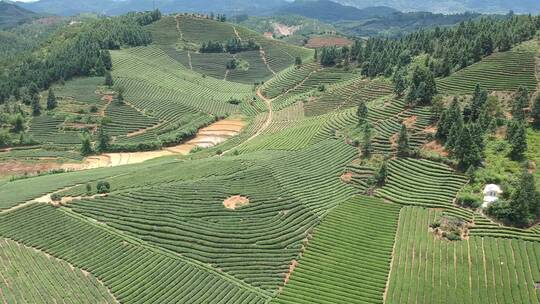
[
  {"x": 106, "y": 59},
  {"x": 478, "y": 101},
  {"x": 403, "y": 149},
  {"x": 380, "y": 177},
  {"x": 51, "y": 100},
  {"x": 36, "y": 106},
  {"x": 523, "y": 199},
  {"x": 366, "y": 140},
  {"x": 362, "y": 113},
  {"x": 520, "y": 103},
  {"x": 535, "y": 113},
  {"x": 108, "y": 79},
  {"x": 298, "y": 61},
  {"x": 455, "y": 132},
  {"x": 86, "y": 145},
  {"x": 423, "y": 86},
  {"x": 103, "y": 140},
  {"x": 400, "y": 82},
  {"x": 518, "y": 141},
  {"x": 18, "y": 124},
  {"x": 447, "y": 120}
]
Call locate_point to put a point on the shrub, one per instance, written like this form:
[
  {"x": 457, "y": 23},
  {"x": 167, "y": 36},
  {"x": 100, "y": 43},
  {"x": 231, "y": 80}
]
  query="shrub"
[
  {"x": 469, "y": 200},
  {"x": 55, "y": 197},
  {"x": 103, "y": 187}
]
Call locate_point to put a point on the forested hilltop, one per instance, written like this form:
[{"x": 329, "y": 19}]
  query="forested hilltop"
[{"x": 188, "y": 158}]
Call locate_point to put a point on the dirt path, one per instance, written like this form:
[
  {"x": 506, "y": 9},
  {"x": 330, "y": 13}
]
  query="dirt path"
[
  {"x": 108, "y": 98},
  {"x": 236, "y": 33},
  {"x": 226, "y": 74},
  {"x": 265, "y": 61},
  {"x": 177, "y": 18},
  {"x": 189, "y": 60}
]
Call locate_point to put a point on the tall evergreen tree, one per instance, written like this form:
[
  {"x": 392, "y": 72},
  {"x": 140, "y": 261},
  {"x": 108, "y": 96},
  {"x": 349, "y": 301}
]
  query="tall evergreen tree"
[
  {"x": 423, "y": 86},
  {"x": 400, "y": 82},
  {"x": 479, "y": 99},
  {"x": 518, "y": 141},
  {"x": 535, "y": 113},
  {"x": 106, "y": 59},
  {"x": 520, "y": 103},
  {"x": 366, "y": 140},
  {"x": 51, "y": 100},
  {"x": 447, "y": 120},
  {"x": 362, "y": 113},
  {"x": 403, "y": 148},
  {"x": 86, "y": 145},
  {"x": 103, "y": 140},
  {"x": 108, "y": 79},
  {"x": 455, "y": 132},
  {"x": 380, "y": 177},
  {"x": 36, "y": 106},
  {"x": 522, "y": 199}
]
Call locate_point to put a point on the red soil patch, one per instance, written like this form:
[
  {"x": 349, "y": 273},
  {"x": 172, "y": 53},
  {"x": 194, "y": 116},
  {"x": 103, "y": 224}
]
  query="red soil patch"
[
  {"x": 436, "y": 147},
  {"x": 18, "y": 168},
  {"x": 409, "y": 122},
  {"x": 318, "y": 42},
  {"x": 236, "y": 201},
  {"x": 269, "y": 35},
  {"x": 430, "y": 130},
  {"x": 393, "y": 141},
  {"x": 346, "y": 177},
  {"x": 292, "y": 267}
]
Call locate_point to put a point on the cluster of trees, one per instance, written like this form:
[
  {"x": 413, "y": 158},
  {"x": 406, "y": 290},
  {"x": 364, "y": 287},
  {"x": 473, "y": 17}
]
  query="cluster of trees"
[
  {"x": 74, "y": 51},
  {"x": 522, "y": 208},
  {"x": 463, "y": 130},
  {"x": 102, "y": 145},
  {"x": 233, "y": 46},
  {"x": 217, "y": 17},
  {"x": 449, "y": 49}
]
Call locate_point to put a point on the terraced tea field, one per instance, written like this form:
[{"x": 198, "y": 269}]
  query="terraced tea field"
[
  {"x": 426, "y": 269},
  {"x": 30, "y": 276},
  {"x": 329, "y": 269},
  {"x": 504, "y": 71},
  {"x": 251, "y": 185}
]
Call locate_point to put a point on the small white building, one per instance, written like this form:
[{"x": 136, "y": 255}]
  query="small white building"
[{"x": 491, "y": 194}]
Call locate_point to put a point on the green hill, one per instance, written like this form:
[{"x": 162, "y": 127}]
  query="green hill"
[
  {"x": 12, "y": 15},
  {"x": 186, "y": 159}
]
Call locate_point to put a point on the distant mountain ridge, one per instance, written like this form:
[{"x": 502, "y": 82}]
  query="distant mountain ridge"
[
  {"x": 116, "y": 7},
  {"x": 332, "y": 11},
  {"x": 12, "y": 14},
  {"x": 453, "y": 6}
]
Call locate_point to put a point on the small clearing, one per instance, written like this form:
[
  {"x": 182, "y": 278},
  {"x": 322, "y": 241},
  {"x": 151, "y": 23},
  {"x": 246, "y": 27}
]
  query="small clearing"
[
  {"x": 410, "y": 122},
  {"x": 435, "y": 147},
  {"x": 18, "y": 168},
  {"x": 236, "y": 201},
  {"x": 285, "y": 30},
  {"x": 318, "y": 42},
  {"x": 346, "y": 177}
]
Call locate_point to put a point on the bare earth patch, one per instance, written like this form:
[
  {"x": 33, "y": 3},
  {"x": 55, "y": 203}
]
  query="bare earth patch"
[
  {"x": 18, "y": 168},
  {"x": 236, "y": 201},
  {"x": 318, "y": 42},
  {"x": 346, "y": 177},
  {"x": 293, "y": 265},
  {"x": 436, "y": 147},
  {"x": 284, "y": 30},
  {"x": 410, "y": 122}
]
